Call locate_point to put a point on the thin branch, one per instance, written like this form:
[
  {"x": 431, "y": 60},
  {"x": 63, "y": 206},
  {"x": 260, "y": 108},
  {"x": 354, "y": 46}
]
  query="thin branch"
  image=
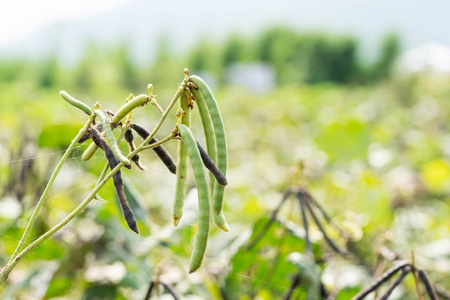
[
  {"x": 163, "y": 118},
  {"x": 381, "y": 265},
  {"x": 269, "y": 223},
  {"x": 155, "y": 103},
  {"x": 327, "y": 239},
  {"x": 160, "y": 142},
  {"x": 383, "y": 278},
  {"x": 330, "y": 221},
  {"x": 167, "y": 287},
  {"x": 44, "y": 195},
  {"x": 395, "y": 283},
  {"x": 171, "y": 290},
  {"x": 428, "y": 285},
  {"x": 8, "y": 268},
  {"x": 149, "y": 291},
  {"x": 302, "y": 203},
  {"x": 103, "y": 173},
  {"x": 416, "y": 277}
]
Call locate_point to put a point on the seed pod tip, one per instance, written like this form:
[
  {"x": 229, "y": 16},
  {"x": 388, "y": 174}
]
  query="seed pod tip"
[{"x": 135, "y": 229}]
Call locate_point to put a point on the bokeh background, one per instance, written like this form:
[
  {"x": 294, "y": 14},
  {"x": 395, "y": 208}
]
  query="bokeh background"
[{"x": 349, "y": 99}]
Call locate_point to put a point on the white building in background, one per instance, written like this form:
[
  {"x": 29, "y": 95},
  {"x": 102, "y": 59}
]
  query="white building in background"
[
  {"x": 431, "y": 57},
  {"x": 257, "y": 77}
]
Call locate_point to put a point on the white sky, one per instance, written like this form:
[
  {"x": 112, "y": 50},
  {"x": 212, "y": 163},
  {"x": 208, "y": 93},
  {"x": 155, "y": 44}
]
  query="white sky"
[
  {"x": 21, "y": 17},
  {"x": 416, "y": 21}
]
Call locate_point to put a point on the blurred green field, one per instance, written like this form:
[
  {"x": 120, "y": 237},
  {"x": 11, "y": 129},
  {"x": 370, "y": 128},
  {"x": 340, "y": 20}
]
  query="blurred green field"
[{"x": 374, "y": 150}]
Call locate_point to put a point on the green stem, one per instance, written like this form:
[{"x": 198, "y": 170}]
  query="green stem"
[
  {"x": 161, "y": 120},
  {"x": 49, "y": 186},
  {"x": 18, "y": 257},
  {"x": 8, "y": 268},
  {"x": 162, "y": 141},
  {"x": 103, "y": 174},
  {"x": 155, "y": 103}
]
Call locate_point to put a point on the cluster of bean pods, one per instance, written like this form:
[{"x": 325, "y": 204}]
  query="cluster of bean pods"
[
  {"x": 214, "y": 159},
  {"x": 210, "y": 196}
]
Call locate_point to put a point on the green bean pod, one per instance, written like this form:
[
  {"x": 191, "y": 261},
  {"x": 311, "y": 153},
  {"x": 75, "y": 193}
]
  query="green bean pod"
[
  {"x": 78, "y": 104},
  {"x": 219, "y": 130},
  {"x": 89, "y": 152},
  {"x": 208, "y": 130},
  {"x": 210, "y": 138},
  {"x": 180, "y": 186},
  {"x": 201, "y": 237},
  {"x": 129, "y": 106},
  {"x": 110, "y": 136},
  {"x": 211, "y": 166},
  {"x": 221, "y": 222}
]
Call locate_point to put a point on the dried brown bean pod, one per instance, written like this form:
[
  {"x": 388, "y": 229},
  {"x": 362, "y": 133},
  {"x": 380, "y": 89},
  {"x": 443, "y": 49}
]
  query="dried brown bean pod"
[
  {"x": 85, "y": 137},
  {"x": 160, "y": 150},
  {"x": 129, "y": 138},
  {"x": 211, "y": 166},
  {"x": 117, "y": 179}
]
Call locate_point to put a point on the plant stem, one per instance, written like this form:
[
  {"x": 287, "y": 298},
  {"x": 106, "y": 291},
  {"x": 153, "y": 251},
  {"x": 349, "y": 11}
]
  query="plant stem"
[
  {"x": 8, "y": 268},
  {"x": 18, "y": 257},
  {"x": 49, "y": 186},
  {"x": 103, "y": 174},
  {"x": 160, "y": 142},
  {"x": 161, "y": 120},
  {"x": 155, "y": 103}
]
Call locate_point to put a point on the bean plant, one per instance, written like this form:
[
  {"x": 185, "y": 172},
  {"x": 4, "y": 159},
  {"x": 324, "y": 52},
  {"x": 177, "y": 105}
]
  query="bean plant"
[{"x": 100, "y": 127}]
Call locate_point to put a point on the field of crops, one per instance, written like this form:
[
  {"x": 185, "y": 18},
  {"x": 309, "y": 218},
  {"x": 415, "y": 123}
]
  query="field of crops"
[{"x": 375, "y": 156}]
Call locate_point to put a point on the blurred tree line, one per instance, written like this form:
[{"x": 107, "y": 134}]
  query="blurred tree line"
[
  {"x": 299, "y": 57},
  {"x": 295, "y": 57}
]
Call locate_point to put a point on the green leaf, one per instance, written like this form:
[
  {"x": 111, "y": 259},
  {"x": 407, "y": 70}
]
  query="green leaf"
[
  {"x": 266, "y": 266},
  {"x": 345, "y": 139},
  {"x": 58, "y": 135},
  {"x": 58, "y": 287}
]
